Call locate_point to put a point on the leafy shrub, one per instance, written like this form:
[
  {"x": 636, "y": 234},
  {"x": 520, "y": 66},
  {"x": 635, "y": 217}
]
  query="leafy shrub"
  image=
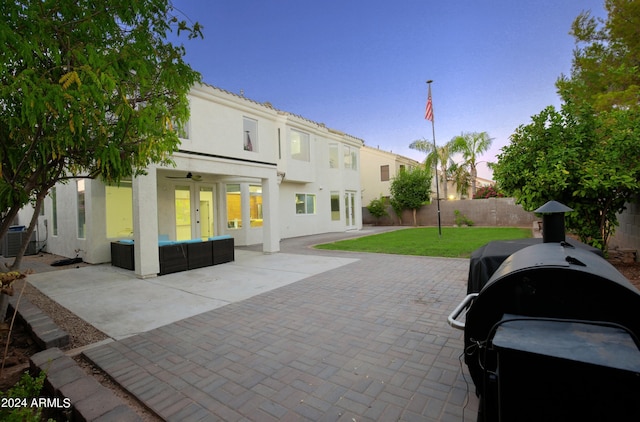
[
  {"x": 377, "y": 207},
  {"x": 27, "y": 388},
  {"x": 461, "y": 219}
]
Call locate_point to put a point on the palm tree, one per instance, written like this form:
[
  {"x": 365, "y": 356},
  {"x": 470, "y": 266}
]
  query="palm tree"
[
  {"x": 443, "y": 156},
  {"x": 471, "y": 145},
  {"x": 461, "y": 178}
]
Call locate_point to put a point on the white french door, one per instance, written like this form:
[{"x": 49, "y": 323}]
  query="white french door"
[
  {"x": 350, "y": 209},
  {"x": 194, "y": 211},
  {"x": 205, "y": 213}
]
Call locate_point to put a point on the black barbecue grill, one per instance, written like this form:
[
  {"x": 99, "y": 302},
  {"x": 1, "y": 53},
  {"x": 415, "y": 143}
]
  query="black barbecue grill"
[{"x": 553, "y": 335}]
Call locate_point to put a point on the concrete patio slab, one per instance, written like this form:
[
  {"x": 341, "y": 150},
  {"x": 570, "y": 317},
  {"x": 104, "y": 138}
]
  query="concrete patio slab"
[{"x": 119, "y": 304}]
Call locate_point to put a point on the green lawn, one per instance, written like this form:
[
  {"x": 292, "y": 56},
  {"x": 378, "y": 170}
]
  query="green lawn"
[{"x": 456, "y": 242}]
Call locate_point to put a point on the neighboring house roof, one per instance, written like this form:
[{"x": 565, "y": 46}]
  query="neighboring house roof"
[
  {"x": 397, "y": 157},
  {"x": 484, "y": 182}
]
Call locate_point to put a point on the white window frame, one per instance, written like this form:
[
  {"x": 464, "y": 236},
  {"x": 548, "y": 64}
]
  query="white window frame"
[
  {"x": 334, "y": 155},
  {"x": 249, "y": 134},
  {"x": 350, "y": 157},
  {"x": 54, "y": 211},
  {"x": 81, "y": 210},
  {"x": 308, "y": 199},
  {"x": 300, "y": 145},
  {"x": 335, "y": 205}
]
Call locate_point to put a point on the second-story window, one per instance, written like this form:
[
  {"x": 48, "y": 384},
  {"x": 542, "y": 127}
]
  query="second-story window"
[
  {"x": 183, "y": 132},
  {"x": 384, "y": 173},
  {"x": 299, "y": 145},
  {"x": 250, "y": 134},
  {"x": 333, "y": 156},
  {"x": 350, "y": 158}
]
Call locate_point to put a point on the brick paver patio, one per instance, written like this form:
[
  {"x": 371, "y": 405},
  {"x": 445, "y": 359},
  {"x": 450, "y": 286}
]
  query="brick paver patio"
[{"x": 366, "y": 341}]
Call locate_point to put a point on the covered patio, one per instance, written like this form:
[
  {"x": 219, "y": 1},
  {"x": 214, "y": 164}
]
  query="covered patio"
[{"x": 203, "y": 197}]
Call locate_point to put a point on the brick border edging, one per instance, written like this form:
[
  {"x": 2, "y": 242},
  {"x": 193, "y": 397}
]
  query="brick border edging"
[
  {"x": 44, "y": 331},
  {"x": 90, "y": 400}
]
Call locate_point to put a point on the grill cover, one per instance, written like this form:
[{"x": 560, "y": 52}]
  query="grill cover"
[{"x": 549, "y": 280}]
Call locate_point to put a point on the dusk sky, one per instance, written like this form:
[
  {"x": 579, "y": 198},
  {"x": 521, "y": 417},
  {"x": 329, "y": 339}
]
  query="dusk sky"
[{"x": 361, "y": 66}]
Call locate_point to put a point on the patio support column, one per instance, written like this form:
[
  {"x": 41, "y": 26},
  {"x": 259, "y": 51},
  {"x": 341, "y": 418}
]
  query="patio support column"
[
  {"x": 145, "y": 224},
  {"x": 245, "y": 212},
  {"x": 270, "y": 215}
]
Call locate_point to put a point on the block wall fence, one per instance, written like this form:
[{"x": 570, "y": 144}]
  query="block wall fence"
[
  {"x": 498, "y": 212},
  {"x": 627, "y": 234},
  {"x": 503, "y": 212}
]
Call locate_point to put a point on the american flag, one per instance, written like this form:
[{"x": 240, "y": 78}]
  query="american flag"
[{"x": 429, "y": 112}]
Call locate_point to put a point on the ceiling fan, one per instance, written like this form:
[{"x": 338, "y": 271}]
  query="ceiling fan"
[{"x": 194, "y": 177}]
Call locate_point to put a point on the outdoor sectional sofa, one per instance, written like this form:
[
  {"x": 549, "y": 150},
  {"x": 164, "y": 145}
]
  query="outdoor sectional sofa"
[{"x": 177, "y": 256}]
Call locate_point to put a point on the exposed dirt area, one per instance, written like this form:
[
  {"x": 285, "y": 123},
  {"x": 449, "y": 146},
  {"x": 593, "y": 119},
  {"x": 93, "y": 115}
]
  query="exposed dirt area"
[
  {"x": 81, "y": 334},
  {"x": 21, "y": 347}
]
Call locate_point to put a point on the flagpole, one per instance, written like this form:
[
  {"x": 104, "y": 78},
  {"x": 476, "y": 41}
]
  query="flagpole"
[{"x": 429, "y": 116}]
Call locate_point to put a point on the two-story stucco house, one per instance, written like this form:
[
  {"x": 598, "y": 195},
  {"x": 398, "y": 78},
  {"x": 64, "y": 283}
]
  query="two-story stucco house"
[
  {"x": 243, "y": 169},
  {"x": 378, "y": 170}
]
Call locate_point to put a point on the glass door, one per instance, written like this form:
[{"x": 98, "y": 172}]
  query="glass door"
[
  {"x": 349, "y": 209},
  {"x": 205, "y": 213}
]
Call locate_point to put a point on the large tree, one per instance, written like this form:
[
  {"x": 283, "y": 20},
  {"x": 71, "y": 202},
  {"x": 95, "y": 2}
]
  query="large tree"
[
  {"x": 87, "y": 89},
  {"x": 436, "y": 156},
  {"x": 471, "y": 145},
  {"x": 585, "y": 160},
  {"x": 605, "y": 72}
]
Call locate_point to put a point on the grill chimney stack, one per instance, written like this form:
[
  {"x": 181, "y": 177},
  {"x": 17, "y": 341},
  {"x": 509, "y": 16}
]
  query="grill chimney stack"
[{"x": 553, "y": 221}]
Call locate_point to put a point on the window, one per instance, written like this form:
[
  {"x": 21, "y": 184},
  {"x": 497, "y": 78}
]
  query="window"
[
  {"x": 255, "y": 205},
  {"x": 350, "y": 158},
  {"x": 335, "y": 206},
  {"x": 299, "y": 145},
  {"x": 54, "y": 211},
  {"x": 279, "y": 145},
  {"x": 250, "y": 134},
  {"x": 234, "y": 206},
  {"x": 183, "y": 212},
  {"x": 305, "y": 203},
  {"x": 333, "y": 156},
  {"x": 206, "y": 212},
  {"x": 182, "y": 132},
  {"x": 350, "y": 208},
  {"x": 384, "y": 173},
  {"x": 119, "y": 210},
  {"x": 80, "y": 188}
]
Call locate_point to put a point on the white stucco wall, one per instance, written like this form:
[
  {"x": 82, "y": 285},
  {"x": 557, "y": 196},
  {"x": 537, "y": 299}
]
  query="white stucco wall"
[
  {"x": 216, "y": 126},
  {"x": 214, "y": 152}
]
